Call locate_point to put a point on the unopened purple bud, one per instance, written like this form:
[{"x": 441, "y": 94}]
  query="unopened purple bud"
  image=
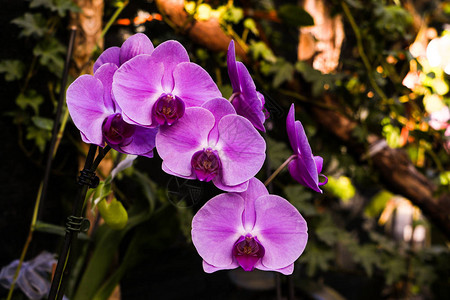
[
  {"x": 116, "y": 131},
  {"x": 168, "y": 109},
  {"x": 247, "y": 251},
  {"x": 205, "y": 164}
]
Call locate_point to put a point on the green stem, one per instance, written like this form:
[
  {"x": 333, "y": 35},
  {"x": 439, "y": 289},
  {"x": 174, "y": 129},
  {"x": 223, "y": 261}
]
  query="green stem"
[
  {"x": 306, "y": 100},
  {"x": 113, "y": 18},
  {"x": 362, "y": 53},
  {"x": 280, "y": 168},
  {"x": 27, "y": 242}
]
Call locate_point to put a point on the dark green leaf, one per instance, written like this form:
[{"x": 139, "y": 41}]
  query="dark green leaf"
[
  {"x": 31, "y": 24},
  {"x": 31, "y": 99},
  {"x": 13, "y": 69},
  {"x": 50, "y": 55},
  {"x": 295, "y": 16},
  {"x": 43, "y": 123}
]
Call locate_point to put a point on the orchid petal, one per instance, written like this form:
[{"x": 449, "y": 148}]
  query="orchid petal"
[
  {"x": 247, "y": 103},
  {"x": 232, "y": 69},
  {"x": 285, "y": 271},
  {"x": 110, "y": 55},
  {"x": 193, "y": 84},
  {"x": 239, "y": 145},
  {"x": 219, "y": 107},
  {"x": 216, "y": 227},
  {"x": 211, "y": 269},
  {"x": 86, "y": 107},
  {"x": 143, "y": 142},
  {"x": 300, "y": 172},
  {"x": 281, "y": 229},
  {"x": 135, "y": 45},
  {"x": 137, "y": 86},
  {"x": 170, "y": 53},
  {"x": 229, "y": 188},
  {"x": 177, "y": 143},
  {"x": 290, "y": 128},
  {"x": 105, "y": 74},
  {"x": 255, "y": 189}
]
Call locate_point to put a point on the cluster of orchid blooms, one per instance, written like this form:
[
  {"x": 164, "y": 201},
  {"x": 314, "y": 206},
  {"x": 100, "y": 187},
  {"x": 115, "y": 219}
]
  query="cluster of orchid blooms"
[{"x": 141, "y": 98}]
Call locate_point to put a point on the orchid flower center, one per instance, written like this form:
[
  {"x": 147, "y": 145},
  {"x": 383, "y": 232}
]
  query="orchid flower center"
[
  {"x": 247, "y": 251},
  {"x": 116, "y": 131},
  {"x": 205, "y": 164},
  {"x": 167, "y": 109}
]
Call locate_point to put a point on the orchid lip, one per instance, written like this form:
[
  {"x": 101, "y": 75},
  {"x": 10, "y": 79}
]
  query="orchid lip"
[
  {"x": 248, "y": 251},
  {"x": 168, "y": 109},
  {"x": 116, "y": 131},
  {"x": 206, "y": 164}
]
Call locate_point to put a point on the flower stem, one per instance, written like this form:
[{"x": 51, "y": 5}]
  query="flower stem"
[{"x": 277, "y": 171}]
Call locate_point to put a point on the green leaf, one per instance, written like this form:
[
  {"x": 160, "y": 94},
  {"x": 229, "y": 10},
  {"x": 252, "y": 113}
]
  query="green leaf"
[
  {"x": 377, "y": 204},
  {"x": 31, "y": 24},
  {"x": 40, "y": 136},
  {"x": 251, "y": 25},
  {"x": 42, "y": 123},
  {"x": 233, "y": 15},
  {"x": 55, "y": 229},
  {"x": 277, "y": 152},
  {"x": 260, "y": 50},
  {"x": 13, "y": 69},
  {"x": 341, "y": 187},
  {"x": 50, "y": 53},
  {"x": 316, "y": 258},
  {"x": 284, "y": 71},
  {"x": 60, "y": 6},
  {"x": 368, "y": 256},
  {"x": 295, "y": 16},
  {"x": 301, "y": 199},
  {"x": 31, "y": 99}
]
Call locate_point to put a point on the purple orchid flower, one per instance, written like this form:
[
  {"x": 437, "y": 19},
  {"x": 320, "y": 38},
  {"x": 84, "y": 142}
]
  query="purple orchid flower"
[
  {"x": 100, "y": 119},
  {"x": 33, "y": 276},
  {"x": 136, "y": 44},
  {"x": 246, "y": 100},
  {"x": 251, "y": 229},
  {"x": 212, "y": 143},
  {"x": 156, "y": 89},
  {"x": 304, "y": 167}
]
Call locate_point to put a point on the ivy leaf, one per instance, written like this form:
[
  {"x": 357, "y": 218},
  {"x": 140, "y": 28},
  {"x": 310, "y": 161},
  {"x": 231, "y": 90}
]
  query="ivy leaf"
[
  {"x": 31, "y": 24},
  {"x": 277, "y": 152},
  {"x": 301, "y": 199},
  {"x": 31, "y": 99},
  {"x": 284, "y": 71},
  {"x": 295, "y": 16},
  {"x": 316, "y": 259},
  {"x": 50, "y": 55},
  {"x": 40, "y": 136},
  {"x": 319, "y": 81},
  {"x": 260, "y": 50},
  {"x": 42, "y": 123},
  {"x": 368, "y": 256},
  {"x": 59, "y": 6},
  {"x": 13, "y": 69},
  {"x": 251, "y": 25},
  {"x": 233, "y": 15}
]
